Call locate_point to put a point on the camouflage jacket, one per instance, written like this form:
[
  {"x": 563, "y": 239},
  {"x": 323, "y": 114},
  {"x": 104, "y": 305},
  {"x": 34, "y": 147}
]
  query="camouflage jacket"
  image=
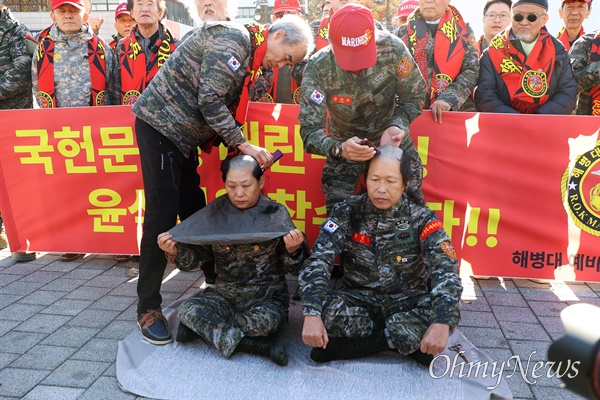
[
  {"x": 587, "y": 75},
  {"x": 15, "y": 75},
  {"x": 245, "y": 272},
  {"x": 362, "y": 105},
  {"x": 492, "y": 93},
  {"x": 458, "y": 93},
  {"x": 72, "y": 80},
  {"x": 393, "y": 252}
]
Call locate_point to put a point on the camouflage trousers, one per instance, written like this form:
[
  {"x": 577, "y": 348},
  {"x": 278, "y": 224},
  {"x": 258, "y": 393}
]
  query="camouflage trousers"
[
  {"x": 341, "y": 178},
  {"x": 356, "y": 313},
  {"x": 218, "y": 322}
]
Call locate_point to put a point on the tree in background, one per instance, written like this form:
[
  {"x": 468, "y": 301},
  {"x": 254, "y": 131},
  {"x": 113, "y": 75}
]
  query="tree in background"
[{"x": 383, "y": 10}]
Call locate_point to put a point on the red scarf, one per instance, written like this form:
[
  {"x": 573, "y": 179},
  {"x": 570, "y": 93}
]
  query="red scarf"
[
  {"x": 46, "y": 95},
  {"x": 322, "y": 38},
  {"x": 271, "y": 96},
  {"x": 563, "y": 36},
  {"x": 595, "y": 90},
  {"x": 451, "y": 41},
  {"x": 480, "y": 44},
  {"x": 526, "y": 77},
  {"x": 136, "y": 73},
  {"x": 239, "y": 109}
]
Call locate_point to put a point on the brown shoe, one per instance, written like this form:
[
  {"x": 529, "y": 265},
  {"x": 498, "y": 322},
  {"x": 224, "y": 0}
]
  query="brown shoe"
[
  {"x": 23, "y": 256},
  {"x": 70, "y": 256},
  {"x": 122, "y": 257}
]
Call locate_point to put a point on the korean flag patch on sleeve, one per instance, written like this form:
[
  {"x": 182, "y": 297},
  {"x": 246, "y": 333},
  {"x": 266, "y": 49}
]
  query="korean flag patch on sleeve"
[
  {"x": 317, "y": 97},
  {"x": 330, "y": 226},
  {"x": 233, "y": 64}
]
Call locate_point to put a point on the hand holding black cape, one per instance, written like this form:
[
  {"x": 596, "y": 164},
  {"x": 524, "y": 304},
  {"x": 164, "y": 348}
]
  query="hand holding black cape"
[{"x": 220, "y": 222}]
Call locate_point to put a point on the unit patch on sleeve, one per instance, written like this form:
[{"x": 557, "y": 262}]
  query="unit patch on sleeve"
[{"x": 330, "y": 226}]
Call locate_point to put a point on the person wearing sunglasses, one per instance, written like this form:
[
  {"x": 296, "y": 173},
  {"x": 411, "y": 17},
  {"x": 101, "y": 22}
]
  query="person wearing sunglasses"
[
  {"x": 525, "y": 69},
  {"x": 573, "y": 13},
  {"x": 496, "y": 17},
  {"x": 585, "y": 60}
]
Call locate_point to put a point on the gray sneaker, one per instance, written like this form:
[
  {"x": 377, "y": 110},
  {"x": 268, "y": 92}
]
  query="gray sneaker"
[{"x": 23, "y": 256}]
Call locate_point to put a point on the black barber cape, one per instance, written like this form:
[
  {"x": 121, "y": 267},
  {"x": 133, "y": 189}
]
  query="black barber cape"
[{"x": 220, "y": 222}]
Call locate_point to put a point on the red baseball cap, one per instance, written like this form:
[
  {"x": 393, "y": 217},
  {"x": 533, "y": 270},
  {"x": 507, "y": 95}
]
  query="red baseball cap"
[
  {"x": 75, "y": 3},
  {"x": 121, "y": 9},
  {"x": 352, "y": 36},
  {"x": 286, "y": 6},
  {"x": 573, "y": 1},
  {"x": 407, "y": 8}
]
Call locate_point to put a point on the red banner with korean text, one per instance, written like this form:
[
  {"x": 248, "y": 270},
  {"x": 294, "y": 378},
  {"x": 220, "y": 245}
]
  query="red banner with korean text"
[{"x": 519, "y": 194}]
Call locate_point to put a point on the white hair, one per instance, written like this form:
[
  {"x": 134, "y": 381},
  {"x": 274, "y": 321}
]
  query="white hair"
[{"x": 190, "y": 5}]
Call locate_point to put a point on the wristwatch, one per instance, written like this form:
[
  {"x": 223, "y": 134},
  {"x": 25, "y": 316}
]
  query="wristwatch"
[{"x": 336, "y": 151}]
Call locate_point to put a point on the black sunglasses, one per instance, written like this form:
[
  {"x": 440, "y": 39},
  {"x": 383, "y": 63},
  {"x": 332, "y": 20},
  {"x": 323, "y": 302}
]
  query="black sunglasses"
[{"x": 530, "y": 17}]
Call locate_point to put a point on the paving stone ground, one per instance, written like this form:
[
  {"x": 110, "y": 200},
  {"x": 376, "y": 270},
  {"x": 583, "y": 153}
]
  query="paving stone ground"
[{"x": 60, "y": 323}]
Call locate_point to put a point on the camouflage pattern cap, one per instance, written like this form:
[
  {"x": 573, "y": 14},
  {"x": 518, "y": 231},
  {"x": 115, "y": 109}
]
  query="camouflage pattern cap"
[{"x": 352, "y": 36}]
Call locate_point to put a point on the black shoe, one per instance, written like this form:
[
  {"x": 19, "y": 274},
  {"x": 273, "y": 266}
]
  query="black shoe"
[
  {"x": 267, "y": 346},
  {"x": 347, "y": 348},
  {"x": 421, "y": 358},
  {"x": 210, "y": 276},
  {"x": 185, "y": 334},
  {"x": 154, "y": 327}
]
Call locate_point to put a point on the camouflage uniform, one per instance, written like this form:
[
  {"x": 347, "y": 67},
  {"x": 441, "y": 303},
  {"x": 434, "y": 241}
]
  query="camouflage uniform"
[
  {"x": 72, "y": 80},
  {"x": 389, "y": 257},
  {"x": 250, "y": 297},
  {"x": 458, "y": 93},
  {"x": 362, "y": 105},
  {"x": 15, "y": 75},
  {"x": 587, "y": 75},
  {"x": 187, "y": 102}
]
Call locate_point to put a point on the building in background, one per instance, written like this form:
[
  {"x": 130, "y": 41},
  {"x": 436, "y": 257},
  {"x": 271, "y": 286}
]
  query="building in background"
[{"x": 35, "y": 14}]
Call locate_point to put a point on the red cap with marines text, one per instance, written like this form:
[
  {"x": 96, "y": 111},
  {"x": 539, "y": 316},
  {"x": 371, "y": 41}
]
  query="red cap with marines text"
[
  {"x": 352, "y": 36},
  {"x": 121, "y": 9}
]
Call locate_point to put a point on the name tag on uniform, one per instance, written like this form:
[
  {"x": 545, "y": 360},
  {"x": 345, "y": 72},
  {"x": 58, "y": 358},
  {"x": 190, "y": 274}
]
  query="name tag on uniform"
[
  {"x": 341, "y": 100},
  {"x": 360, "y": 238}
]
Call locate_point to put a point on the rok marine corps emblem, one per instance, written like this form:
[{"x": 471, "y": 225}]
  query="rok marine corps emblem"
[
  {"x": 581, "y": 190},
  {"x": 535, "y": 83}
]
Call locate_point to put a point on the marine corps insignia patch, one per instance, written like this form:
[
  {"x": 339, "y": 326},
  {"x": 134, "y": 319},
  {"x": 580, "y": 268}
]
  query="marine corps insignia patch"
[
  {"x": 330, "y": 226},
  {"x": 580, "y": 187},
  {"x": 535, "y": 83},
  {"x": 233, "y": 64},
  {"x": 404, "y": 67},
  {"x": 448, "y": 248}
]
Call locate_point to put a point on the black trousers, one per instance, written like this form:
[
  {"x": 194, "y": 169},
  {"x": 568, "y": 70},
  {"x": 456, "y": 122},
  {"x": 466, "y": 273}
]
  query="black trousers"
[{"x": 171, "y": 187}]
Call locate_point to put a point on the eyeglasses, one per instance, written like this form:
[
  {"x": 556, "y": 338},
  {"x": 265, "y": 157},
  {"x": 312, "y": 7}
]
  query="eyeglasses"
[
  {"x": 501, "y": 16},
  {"x": 530, "y": 17}
]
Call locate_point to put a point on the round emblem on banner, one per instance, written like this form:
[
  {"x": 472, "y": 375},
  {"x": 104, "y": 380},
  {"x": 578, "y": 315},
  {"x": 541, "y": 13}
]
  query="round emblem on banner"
[
  {"x": 580, "y": 186},
  {"x": 131, "y": 97},
  {"x": 267, "y": 98},
  {"x": 100, "y": 98},
  {"x": 404, "y": 67},
  {"x": 296, "y": 96},
  {"x": 535, "y": 83},
  {"x": 441, "y": 83},
  {"x": 44, "y": 100}
]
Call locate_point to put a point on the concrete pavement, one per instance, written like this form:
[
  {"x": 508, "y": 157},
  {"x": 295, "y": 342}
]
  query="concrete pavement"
[{"x": 60, "y": 323}]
